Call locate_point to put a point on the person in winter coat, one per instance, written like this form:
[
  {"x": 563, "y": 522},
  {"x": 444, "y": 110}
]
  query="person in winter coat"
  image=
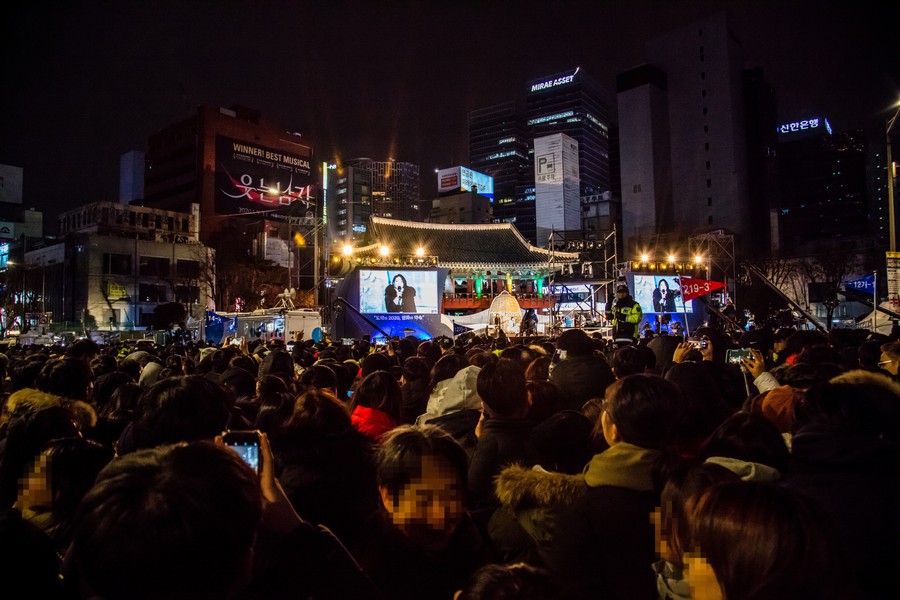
[
  {"x": 625, "y": 315},
  {"x": 604, "y": 543}
]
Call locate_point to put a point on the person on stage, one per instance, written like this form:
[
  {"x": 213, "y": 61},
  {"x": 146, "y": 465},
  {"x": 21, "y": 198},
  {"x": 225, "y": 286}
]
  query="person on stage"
[
  {"x": 663, "y": 298},
  {"x": 399, "y": 296}
]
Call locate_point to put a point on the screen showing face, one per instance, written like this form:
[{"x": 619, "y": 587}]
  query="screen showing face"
[
  {"x": 398, "y": 291},
  {"x": 658, "y": 294}
]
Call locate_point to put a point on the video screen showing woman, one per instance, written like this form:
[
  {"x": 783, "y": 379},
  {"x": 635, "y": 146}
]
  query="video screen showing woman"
[
  {"x": 660, "y": 294},
  {"x": 663, "y": 297},
  {"x": 399, "y": 296},
  {"x": 402, "y": 291}
]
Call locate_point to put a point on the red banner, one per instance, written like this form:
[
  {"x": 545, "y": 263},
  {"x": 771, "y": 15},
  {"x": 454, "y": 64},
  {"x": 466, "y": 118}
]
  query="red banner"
[{"x": 694, "y": 288}]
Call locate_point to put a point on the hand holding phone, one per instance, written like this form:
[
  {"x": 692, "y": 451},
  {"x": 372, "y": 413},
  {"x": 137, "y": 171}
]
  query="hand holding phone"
[
  {"x": 699, "y": 343},
  {"x": 737, "y": 357},
  {"x": 245, "y": 444}
]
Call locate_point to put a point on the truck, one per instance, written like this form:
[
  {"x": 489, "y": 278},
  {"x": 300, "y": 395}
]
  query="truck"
[{"x": 273, "y": 324}]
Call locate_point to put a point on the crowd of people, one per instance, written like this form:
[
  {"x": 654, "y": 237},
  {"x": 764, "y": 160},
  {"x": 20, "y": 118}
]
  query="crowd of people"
[{"x": 478, "y": 467}]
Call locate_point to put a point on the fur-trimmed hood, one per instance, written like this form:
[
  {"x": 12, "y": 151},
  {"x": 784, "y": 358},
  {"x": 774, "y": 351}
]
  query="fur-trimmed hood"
[{"x": 520, "y": 488}]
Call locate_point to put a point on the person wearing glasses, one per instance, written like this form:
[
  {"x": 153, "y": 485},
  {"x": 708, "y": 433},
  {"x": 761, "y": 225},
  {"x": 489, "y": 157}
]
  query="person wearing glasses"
[{"x": 890, "y": 358}]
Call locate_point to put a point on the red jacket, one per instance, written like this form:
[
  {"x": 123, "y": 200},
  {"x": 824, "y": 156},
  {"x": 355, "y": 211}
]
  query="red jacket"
[{"x": 371, "y": 422}]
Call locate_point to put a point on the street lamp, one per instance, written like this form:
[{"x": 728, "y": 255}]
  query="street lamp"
[{"x": 890, "y": 178}]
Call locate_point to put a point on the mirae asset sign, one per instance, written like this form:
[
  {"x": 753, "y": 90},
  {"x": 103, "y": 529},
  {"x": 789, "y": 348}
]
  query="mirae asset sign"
[{"x": 551, "y": 83}]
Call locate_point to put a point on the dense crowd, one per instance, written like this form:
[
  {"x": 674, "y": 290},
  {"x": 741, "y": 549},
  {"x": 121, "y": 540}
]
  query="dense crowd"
[{"x": 474, "y": 468}]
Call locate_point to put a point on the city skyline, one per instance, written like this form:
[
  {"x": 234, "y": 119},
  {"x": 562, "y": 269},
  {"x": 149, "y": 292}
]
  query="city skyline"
[{"x": 91, "y": 82}]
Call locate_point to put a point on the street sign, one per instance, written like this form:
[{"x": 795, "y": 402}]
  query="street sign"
[{"x": 892, "y": 261}]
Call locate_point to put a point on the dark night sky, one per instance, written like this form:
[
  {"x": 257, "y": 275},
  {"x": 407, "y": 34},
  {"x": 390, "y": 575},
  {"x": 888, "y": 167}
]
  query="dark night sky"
[{"x": 84, "y": 82}]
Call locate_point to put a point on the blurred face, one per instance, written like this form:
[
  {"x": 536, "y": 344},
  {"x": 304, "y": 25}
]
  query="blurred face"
[
  {"x": 701, "y": 577},
  {"x": 398, "y": 285},
  {"x": 663, "y": 286},
  {"x": 430, "y": 508},
  {"x": 35, "y": 488}
]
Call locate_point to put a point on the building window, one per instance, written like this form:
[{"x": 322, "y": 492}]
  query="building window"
[
  {"x": 709, "y": 201},
  {"x": 185, "y": 225},
  {"x": 637, "y": 188},
  {"x": 706, "y": 146},
  {"x": 187, "y": 294},
  {"x": 116, "y": 264},
  {"x": 703, "y": 76},
  {"x": 149, "y": 292},
  {"x": 703, "y": 93},
  {"x": 152, "y": 266},
  {"x": 707, "y": 165},
  {"x": 704, "y": 111},
  {"x": 706, "y": 129},
  {"x": 709, "y": 220},
  {"x": 709, "y": 183},
  {"x": 188, "y": 269}
]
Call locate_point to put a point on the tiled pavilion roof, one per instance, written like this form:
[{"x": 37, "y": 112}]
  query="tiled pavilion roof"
[{"x": 475, "y": 246}]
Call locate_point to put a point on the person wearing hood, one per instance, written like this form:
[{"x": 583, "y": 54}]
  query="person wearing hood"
[
  {"x": 604, "y": 544},
  {"x": 454, "y": 405}
]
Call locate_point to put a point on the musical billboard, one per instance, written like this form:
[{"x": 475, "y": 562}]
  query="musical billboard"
[{"x": 255, "y": 179}]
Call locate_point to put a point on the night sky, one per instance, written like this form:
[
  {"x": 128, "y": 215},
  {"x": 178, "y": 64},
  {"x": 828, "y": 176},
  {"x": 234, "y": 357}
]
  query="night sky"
[{"x": 84, "y": 82}]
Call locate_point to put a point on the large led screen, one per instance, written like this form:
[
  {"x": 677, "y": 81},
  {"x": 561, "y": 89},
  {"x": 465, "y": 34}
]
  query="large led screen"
[
  {"x": 254, "y": 179},
  {"x": 398, "y": 291},
  {"x": 659, "y": 294}
]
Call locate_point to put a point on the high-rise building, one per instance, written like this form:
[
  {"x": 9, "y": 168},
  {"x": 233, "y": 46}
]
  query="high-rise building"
[
  {"x": 360, "y": 188},
  {"x": 11, "y": 184},
  {"x": 573, "y": 103},
  {"x": 557, "y": 181},
  {"x": 348, "y": 197},
  {"x": 131, "y": 176},
  {"x": 695, "y": 95},
  {"x": 501, "y": 142},
  {"x": 499, "y": 147},
  {"x": 823, "y": 187},
  {"x": 236, "y": 165}
]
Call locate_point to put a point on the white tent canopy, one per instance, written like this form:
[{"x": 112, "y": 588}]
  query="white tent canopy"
[{"x": 879, "y": 322}]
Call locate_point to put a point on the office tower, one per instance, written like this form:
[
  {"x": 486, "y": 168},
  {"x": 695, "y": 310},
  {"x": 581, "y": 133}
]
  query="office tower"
[
  {"x": 501, "y": 141},
  {"x": 696, "y": 76},
  {"x": 645, "y": 152},
  {"x": 823, "y": 186},
  {"x": 395, "y": 188},
  {"x": 131, "y": 176},
  {"x": 238, "y": 166},
  {"x": 498, "y": 147},
  {"x": 348, "y": 197},
  {"x": 557, "y": 181},
  {"x": 573, "y": 103}
]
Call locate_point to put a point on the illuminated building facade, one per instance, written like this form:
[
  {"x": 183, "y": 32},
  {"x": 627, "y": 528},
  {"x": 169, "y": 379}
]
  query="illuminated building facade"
[{"x": 501, "y": 142}]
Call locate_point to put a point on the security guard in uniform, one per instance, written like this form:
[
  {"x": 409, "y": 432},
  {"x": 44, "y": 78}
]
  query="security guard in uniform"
[{"x": 625, "y": 315}]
